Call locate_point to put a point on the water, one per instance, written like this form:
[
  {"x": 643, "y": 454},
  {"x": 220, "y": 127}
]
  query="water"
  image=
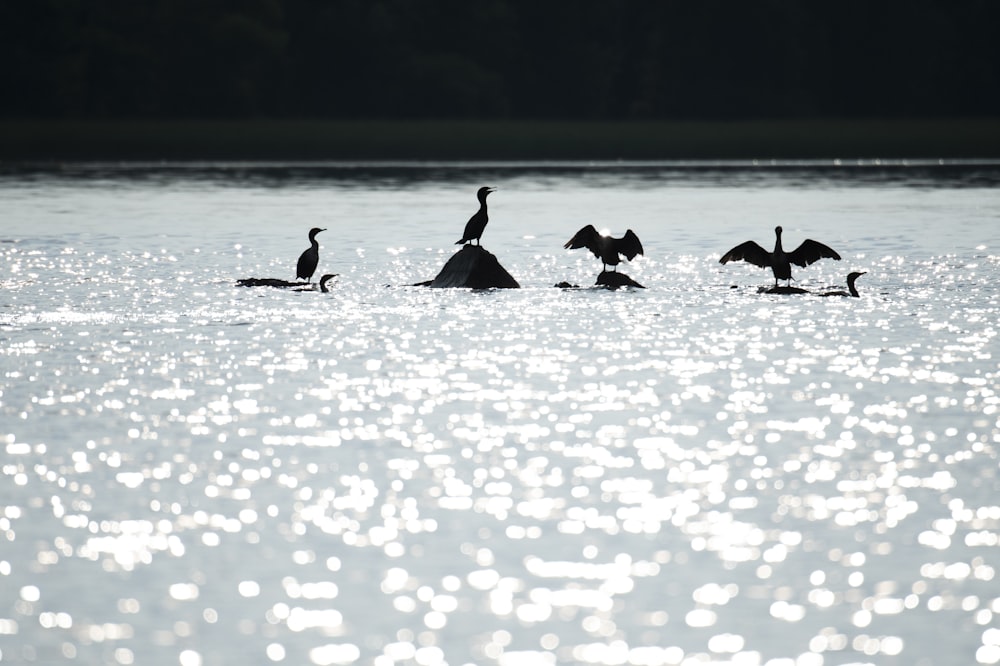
[{"x": 195, "y": 473}]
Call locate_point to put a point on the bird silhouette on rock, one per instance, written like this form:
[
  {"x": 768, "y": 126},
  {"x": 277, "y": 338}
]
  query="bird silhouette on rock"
[
  {"x": 309, "y": 259},
  {"x": 606, "y": 248},
  {"x": 779, "y": 261},
  {"x": 477, "y": 223}
]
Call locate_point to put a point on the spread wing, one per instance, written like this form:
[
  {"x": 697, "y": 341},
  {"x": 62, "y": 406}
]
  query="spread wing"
[
  {"x": 587, "y": 237},
  {"x": 810, "y": 252},
  {"x": 629, "y": 245},
  {"x": 750, "y": 252}
]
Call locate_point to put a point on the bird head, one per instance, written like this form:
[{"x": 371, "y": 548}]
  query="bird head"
[
  {"x": 483, "y": 192},
  {"x": 777, "y": 230},
  {"x": 314, "y": 231}
]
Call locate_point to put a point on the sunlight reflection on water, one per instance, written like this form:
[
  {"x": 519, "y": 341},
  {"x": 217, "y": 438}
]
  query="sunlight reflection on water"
[{"x": 687, "y": 474}]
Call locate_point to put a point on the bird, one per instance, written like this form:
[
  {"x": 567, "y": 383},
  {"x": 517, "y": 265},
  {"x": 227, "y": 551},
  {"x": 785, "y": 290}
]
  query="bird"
[
  {"x": 309, "y": 259},
  {"x": 477, "y": 223},
  {"x": 322, "y": 284},
  {"x": 851, "y": 278},
  {"x": 606, "y": 248},
  {"x": 780, "y": 261},
  {"x": 323, "y": 280}
]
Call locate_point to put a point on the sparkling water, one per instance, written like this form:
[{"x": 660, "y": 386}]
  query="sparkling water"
[{"x": 695, "y": 472}]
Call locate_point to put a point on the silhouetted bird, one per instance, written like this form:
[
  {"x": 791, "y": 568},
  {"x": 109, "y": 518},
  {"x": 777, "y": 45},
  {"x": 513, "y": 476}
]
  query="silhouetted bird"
[
  {"x": 322, "y": 283},
  {"x": 323, "y": 280},
  {"x": 309, "y": 259},
  {"x": 779, "y": 261},
  {"x": 851, "y": 278},
  {"x": 477, "y": 223},
  {"x": 606, "y": 248}
]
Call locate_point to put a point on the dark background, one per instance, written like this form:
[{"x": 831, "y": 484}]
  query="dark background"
[{"x": 499, "y": 59}]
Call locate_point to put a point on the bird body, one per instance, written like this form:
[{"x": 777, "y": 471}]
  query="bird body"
[
  {"x": 609, "y": 250},
  {"x": 851, "y": 279},
  {"x": 309, "y": 259},
  {"x": 477, "y": 223},
  {"x": 779, "y": 261}
]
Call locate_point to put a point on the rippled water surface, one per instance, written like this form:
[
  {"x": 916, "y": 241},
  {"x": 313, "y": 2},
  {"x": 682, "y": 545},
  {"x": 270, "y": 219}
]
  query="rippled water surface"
[{"x": 197, "y": 473}]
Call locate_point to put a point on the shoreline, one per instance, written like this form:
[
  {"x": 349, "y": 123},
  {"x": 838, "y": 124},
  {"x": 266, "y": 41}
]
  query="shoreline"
[{"x": 426, "y": 140}]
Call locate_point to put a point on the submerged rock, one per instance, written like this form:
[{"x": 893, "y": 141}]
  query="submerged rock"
[
  {"x": 614, "y": 280},
  {"x": 285, "y": 284},
  {"x": 473, "y": 267},
  {"x": 789, "y": 290}
]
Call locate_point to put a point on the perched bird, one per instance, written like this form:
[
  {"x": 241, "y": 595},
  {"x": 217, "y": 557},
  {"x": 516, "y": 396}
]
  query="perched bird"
[
  {"x": 851, "y": 278},
  {"x": 477, "y": 223},
  {"x": 309, "y": 259},
  {"x": 779, "y": 261},
  {"x": 606, "y": 248}
]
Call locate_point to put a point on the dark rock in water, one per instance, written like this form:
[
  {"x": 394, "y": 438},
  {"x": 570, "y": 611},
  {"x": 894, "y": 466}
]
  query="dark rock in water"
[
  {"x": 781, "y": 290},
  {"x": 566, "y": 285},
  {"x": 285, "y": 284},
  {"x": 472, "y": 267},
  {"x": 268, "y": 282},
  {"x": 614, "y": 280}
]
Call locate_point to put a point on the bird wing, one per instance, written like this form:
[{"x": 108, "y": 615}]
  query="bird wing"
[
  {"x": 810, "y": 252},
  {"x": 586, "y": 237},
  {"x": 749, "y": 251},
  {"x": 629, "y": 245}
]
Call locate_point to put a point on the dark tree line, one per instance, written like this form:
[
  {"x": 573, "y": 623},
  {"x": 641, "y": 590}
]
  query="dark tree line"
[{"x": 585, "y": 59}]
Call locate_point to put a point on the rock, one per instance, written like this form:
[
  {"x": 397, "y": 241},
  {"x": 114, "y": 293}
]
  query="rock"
[
  {"x": 285, "y": 284},
  {"x": 781, "y": 290},
  {"x": 268, "y": 282},
  {"x": 473, "y": 267},
  {"x": 614, "y": 280}
]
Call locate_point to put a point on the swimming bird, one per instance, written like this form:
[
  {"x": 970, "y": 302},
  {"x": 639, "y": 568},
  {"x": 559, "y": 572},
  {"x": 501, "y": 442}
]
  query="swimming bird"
[
  {"x": 851, "y": 278},
  {"x": 779, "y": 261},
  {"x": 309, "y": 259},
  {"x": 322, "y": 284},
  {"x": 323, "y": 280},
  {"x": 477, "y": 223},
  {"x": 606, "y": 248}
]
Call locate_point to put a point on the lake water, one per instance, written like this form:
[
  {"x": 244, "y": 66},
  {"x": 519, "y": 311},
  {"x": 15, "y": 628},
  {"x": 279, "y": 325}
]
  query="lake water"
[{"x": 197, "y": 473}]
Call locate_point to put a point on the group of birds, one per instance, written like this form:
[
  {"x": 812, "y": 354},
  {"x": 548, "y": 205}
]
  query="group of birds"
[{"x": 610, "y": 250}]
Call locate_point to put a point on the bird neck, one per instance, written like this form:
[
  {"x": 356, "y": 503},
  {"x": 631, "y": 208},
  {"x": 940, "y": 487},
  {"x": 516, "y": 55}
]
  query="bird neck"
[{"x": 852, "y": 289}]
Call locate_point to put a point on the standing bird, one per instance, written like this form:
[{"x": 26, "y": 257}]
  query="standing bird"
[
  {"x": 779, "y": 261},
  {"x": 606, "y": 248},
  {"x": 851, "y": 278},
  {"x": 477, "y": 223},
  {"x": 309, "y": 259}
]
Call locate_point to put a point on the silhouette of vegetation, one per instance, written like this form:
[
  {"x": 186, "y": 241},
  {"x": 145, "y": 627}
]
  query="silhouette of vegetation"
[{"x": 588, "y": 60}]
